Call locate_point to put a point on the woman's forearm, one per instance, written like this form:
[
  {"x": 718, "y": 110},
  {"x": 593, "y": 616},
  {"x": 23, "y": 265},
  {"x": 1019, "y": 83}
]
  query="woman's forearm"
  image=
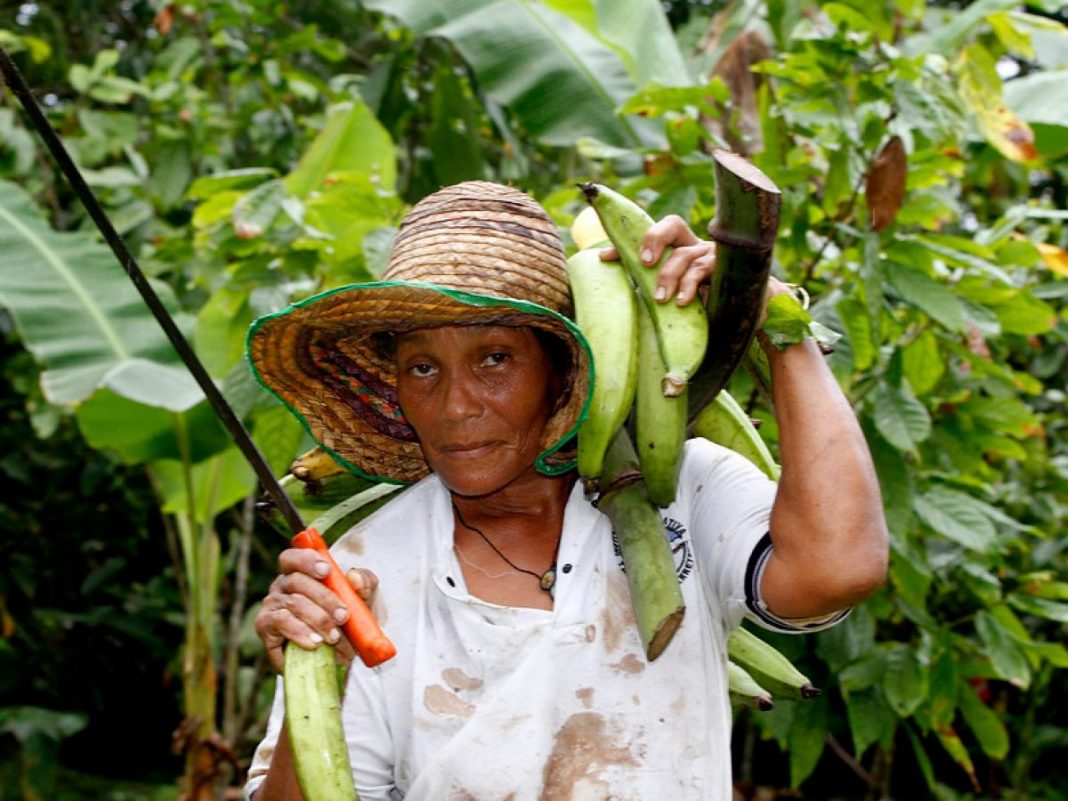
[
  {"x": 827, "y": 524},
  {"x": 280, "y": 783}
]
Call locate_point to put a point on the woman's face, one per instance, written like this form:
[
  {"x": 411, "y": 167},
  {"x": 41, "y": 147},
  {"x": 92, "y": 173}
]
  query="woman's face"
[{"x": 478, "y": 397}]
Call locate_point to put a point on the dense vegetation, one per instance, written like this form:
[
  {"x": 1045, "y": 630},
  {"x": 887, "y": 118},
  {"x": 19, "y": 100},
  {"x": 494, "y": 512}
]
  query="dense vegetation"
[{"x": 253, "y": 152}]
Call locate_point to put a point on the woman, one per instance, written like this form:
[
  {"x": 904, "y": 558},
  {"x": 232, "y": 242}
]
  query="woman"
[{"x": 519, "y": 671}]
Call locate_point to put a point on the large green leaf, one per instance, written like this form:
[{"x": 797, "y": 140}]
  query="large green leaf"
[
  {"x": 351, "y": 140},
  {"x": 141, "y": 433},
  {"x": 561, "y": 81},
  {"x": 74, "y": 306}
]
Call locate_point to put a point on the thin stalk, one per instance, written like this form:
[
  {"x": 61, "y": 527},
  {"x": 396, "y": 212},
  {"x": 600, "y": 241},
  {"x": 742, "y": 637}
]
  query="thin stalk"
[{"x": 237, "y": 615}]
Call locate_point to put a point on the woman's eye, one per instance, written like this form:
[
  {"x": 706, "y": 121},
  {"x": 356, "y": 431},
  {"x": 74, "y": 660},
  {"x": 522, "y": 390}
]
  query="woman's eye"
[
  {"x": 421, "y": 370},
  {"x": 496, "y": 358}
]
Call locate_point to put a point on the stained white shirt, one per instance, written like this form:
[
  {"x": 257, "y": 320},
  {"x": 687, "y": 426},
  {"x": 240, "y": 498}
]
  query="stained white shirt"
[{"x": 488, "y": 702}]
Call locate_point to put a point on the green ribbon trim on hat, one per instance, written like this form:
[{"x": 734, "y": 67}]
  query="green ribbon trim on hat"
[{"x": 468, "y": 298}]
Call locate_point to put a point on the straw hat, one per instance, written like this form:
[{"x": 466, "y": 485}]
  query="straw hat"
[{"x": 473, "y": 253}]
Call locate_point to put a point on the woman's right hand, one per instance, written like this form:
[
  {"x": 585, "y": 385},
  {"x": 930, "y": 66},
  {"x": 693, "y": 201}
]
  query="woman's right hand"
[{"x": 299, "y": 607}]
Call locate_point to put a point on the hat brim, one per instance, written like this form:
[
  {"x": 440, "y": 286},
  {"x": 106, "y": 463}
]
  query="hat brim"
[{"x": 320, "y": 358}]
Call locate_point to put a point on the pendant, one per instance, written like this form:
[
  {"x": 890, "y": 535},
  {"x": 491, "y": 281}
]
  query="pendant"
[{"x": 548, "y": 580}]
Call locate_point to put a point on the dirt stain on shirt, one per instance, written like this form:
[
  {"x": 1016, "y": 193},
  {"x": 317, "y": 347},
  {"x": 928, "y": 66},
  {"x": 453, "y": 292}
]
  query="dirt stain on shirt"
[
  {"x": 618, "y": 615},
  {"x": 582, "y": 748},
  {"x": 585, "y": 695},
  {"x": 459, "y": 680},
  {"x": 629, "y": 664},
  {"x": 440, "y": 701}
]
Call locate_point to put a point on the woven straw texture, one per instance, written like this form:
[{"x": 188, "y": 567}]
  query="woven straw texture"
[{"x": 456, "y": 251}]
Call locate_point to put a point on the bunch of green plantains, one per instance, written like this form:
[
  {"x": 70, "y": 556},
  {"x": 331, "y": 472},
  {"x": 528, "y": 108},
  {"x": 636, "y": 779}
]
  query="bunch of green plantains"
[{"x": 661, "y": 370}]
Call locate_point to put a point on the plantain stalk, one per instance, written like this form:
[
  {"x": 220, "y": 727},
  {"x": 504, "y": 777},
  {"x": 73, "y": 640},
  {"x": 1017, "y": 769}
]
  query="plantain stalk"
[
  {"x": 747, "y": 219},
  {"x": 647, "y": 558}
]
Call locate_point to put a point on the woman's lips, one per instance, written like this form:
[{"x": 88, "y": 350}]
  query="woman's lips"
[{"x": 468, "y": 450}]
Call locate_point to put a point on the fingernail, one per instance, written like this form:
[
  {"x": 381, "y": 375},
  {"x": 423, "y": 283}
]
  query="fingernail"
[
  {"x": 315, "y": 637},
  {"x": 681, "y": 297},
  {"x": 661, "y": 293},
  {"x": 334, "y": 635},
  {"x": 647, "y": 255},
  {"x": 341, "y": 614},
  {"x": 322, "y": 569}
]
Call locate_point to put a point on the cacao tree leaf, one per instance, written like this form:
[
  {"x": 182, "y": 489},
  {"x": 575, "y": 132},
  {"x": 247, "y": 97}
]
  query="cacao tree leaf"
[
  {"x": 928, "y": 294},
  {"x": 808, "y": 730},
  {"x": 857, "y": 323},
  {"x": 922, "y": 758},
  {"x": 949, "y": 33},
  {"x": 905, "y": 680},
  {"x": 1004, "y": 654},
  {"x": 922, "y": 362},
  {"x": 951, "y": 741},
  {"x": 895, "y": 482},
  {"x": 1039, "y": 607},
  {"x": 984, "y": 722},
  {"x": 942, "y": 691},
  {"x": 900, "y": 418},
  {"x": 871, "y": 720},
  {"x": 957, "y": 516},
  {"x": 885, "y": 187},
  {"x": 980, "y": 86},
  {"x": 74, "y": 306}
]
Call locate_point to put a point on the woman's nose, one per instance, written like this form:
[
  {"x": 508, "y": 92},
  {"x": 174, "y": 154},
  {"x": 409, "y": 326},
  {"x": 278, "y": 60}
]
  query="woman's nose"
[{"x": 460, "y": 399}]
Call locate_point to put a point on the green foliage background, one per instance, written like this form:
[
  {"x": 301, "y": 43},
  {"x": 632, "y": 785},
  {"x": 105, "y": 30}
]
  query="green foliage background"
[{"x": 253, "y": 153}]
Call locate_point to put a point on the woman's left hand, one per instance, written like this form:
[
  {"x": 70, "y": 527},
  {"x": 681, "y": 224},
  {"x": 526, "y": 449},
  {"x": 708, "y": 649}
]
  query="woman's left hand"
[{"x": 690, "y": 265}]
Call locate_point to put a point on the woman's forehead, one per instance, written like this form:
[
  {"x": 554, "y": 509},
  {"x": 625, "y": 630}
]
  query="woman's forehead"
[{"x": 474, "y": 332}]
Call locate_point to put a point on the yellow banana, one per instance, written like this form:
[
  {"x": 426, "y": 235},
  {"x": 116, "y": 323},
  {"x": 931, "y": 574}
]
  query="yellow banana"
[
  {"x": 587, "y": 230},
  {"x": 768, "y": 666},
  {"x": 315, "y": 465},
  {"x": 724, "y": 422},
  {"x": 744, "y": 689},
  {"x": 681, "y": 331},
  {"x": 606, "y": 312},
  {"x": 659, "y": 421}
]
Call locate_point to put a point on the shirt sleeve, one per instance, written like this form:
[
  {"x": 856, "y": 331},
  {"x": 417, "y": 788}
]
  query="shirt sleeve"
[
  {"x": 261, "y": 760},
  {"x": 730, "y": 515},
  {"x": 366, "y": 733}
]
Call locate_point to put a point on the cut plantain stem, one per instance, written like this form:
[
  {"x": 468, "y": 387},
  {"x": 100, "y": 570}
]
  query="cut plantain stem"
[
  {"x": 654, "y": 588},
  {"x": 747, "y": 219}
]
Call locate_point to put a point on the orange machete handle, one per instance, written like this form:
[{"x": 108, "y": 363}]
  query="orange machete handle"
[{"x": 363, "y": 631}]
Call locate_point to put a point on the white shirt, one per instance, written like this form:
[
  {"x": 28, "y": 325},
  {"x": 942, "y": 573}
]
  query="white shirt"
[{"x": 489, "y": 702}]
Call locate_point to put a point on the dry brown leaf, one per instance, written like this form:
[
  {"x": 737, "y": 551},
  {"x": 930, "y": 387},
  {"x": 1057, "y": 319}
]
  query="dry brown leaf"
[
  {"x": 164, "y": 19},
  {"x": 885, "y": 188},
  {"x": 740, "y": 126}
]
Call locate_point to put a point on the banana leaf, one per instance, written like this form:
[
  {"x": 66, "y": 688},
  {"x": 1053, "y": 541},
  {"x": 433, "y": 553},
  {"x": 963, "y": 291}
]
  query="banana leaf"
[
  {"x": 75, "y": 308},
  {"x": 560, "y": 80}
]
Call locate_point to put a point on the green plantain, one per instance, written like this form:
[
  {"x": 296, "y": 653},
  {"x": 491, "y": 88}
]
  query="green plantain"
[{"x": 681, "y": 331}]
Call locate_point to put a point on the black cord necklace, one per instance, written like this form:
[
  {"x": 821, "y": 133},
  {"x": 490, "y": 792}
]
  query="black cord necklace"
[{"x": 546, "y": 580}]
